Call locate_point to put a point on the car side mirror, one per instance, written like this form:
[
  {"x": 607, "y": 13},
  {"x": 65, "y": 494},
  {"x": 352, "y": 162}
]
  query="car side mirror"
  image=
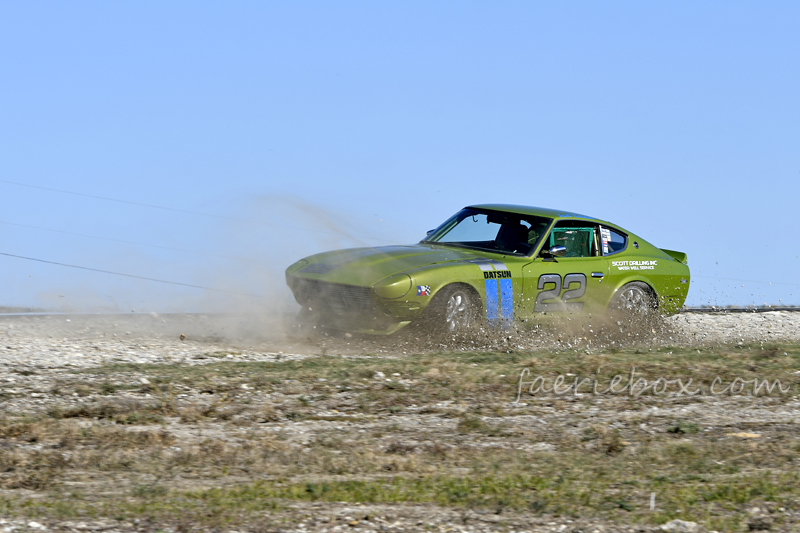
[{"x": 558, "y": 251}]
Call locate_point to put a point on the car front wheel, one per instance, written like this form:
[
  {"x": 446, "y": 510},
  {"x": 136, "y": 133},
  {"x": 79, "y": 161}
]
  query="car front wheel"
[{"x": 454, "y": 310}]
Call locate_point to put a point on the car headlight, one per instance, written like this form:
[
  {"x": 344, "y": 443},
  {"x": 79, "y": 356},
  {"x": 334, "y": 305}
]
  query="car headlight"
[{"x": 393, "y": 287}]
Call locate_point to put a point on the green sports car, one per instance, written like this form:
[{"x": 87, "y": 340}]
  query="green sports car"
[{"x": 491, "y": 265}]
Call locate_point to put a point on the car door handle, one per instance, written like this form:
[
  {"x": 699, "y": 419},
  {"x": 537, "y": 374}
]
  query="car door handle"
[{"x": 597, "y": 274}]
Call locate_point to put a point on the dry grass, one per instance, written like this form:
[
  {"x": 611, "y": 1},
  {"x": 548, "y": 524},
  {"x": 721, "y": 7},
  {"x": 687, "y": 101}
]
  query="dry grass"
[{"x": 441, "y": 431}]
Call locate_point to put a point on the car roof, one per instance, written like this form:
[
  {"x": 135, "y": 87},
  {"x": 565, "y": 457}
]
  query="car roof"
[{"x": 537, "y": 211}]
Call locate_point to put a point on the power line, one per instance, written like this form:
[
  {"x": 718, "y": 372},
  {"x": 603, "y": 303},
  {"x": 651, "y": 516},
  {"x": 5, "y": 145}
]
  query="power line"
[
  {"x": 129, "y": 275},
  {"x": 165, "y": 208},
  {"x": 129, "y": 242},
  {"x": 141, "y": 204}
]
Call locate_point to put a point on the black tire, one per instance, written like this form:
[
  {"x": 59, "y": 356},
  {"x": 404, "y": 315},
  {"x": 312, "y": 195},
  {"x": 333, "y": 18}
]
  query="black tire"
[
  {"x": 634, "y": 300},
  {"x": 454, "y": 310}
]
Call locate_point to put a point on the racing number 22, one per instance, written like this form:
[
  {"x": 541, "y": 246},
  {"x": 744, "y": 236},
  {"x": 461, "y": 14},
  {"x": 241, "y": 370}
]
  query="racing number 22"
[{"x": 564, "y": 304}]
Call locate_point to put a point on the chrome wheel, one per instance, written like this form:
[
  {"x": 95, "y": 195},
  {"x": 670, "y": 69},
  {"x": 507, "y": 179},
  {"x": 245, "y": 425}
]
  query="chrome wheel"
[
  {"x": 453, "y": 311},
  {"x": 634, "y": 299},
  {"x": 459, "y": 311}
]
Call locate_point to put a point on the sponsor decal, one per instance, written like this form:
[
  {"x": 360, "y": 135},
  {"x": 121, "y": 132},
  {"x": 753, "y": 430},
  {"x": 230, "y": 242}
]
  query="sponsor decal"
[
  {"x": 492, "y": 274},
  {"x": 605, "y": 236},
  {"x": 634, "y": 265},
  {"x": 423, "y": 290}
]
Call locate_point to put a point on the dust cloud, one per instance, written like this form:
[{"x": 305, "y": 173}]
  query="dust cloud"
[
  {"x": 246, "y": 302},
  {"x": 231, "y": 289}
]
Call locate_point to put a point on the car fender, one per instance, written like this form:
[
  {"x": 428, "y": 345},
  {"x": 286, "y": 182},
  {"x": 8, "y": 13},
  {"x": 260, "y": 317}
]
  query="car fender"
[
  {"x": 669, "y": 291},
  {"x": 434, "y": 278}
]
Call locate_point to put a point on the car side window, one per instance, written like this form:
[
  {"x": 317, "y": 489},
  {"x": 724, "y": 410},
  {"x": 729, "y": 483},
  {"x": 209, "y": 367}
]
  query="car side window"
[
  {"x": 613, "y": 241},
  {"x": 579, "y": 238}
]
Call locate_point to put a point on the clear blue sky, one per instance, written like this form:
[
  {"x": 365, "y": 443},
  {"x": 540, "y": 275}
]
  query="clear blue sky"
[{"x": 371, "y": 122}]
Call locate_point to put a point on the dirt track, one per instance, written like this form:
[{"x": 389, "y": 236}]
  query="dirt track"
[{"x": 122, "y": 408}]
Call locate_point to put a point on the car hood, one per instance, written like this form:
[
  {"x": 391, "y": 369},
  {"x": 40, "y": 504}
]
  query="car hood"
[{"x": 367, "y": 266}]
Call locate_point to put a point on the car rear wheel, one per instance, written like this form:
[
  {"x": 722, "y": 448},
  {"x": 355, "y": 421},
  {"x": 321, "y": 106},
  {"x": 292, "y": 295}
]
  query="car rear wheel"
[
  {"x": 454, "y": 310},
  {"x": 634, "y": 300}
]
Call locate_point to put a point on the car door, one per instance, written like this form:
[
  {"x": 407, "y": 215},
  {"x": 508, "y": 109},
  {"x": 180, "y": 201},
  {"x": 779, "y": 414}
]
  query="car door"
[{"x": 573, "y": 283}]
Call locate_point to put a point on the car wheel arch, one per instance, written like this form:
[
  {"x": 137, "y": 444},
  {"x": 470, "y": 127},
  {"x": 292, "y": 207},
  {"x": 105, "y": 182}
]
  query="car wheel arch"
[{"x": 479, "y": 300}]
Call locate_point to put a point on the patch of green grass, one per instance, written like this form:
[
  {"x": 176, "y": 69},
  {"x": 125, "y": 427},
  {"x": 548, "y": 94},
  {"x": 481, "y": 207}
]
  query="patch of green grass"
[
  {"x": 568, "y": 494},
  {"x": 119, "y": 412},
  {"x": 683, "y": 427},
  {"x": 149, "y": 491},
  {"x": 474, "y": 424}
]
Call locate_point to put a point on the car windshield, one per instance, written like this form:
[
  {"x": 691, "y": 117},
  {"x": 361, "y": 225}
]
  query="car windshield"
[{"x": 492, "y": 231}]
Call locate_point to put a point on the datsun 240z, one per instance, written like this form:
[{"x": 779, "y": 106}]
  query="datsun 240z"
[{"x": 491, "y": 265}]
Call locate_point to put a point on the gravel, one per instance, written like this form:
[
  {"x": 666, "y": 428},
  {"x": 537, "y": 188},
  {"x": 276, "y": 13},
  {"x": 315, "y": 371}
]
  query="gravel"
[
  {"x": 409, "y": 518},
  {"x": 54, "y": 341},
  {"x": 736, "y": 328},
  {"x": 36, "y": 350}
]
